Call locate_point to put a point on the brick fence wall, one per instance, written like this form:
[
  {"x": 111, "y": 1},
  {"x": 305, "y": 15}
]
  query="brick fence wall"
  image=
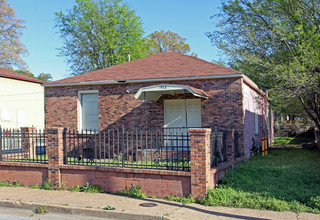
[{"x": 160, "y": 183}]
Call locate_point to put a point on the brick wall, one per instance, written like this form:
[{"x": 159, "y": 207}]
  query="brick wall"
[
  {"x": 153, "y": 182},
  {"x": 25, "y": 173},
  {"x": 117, "y": 107},
  {"x": 160, "y": 183}
]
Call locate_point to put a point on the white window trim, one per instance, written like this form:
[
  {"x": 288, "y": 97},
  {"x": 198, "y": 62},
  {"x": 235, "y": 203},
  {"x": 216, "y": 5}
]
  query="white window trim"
[{"x": 79, "y": 108}]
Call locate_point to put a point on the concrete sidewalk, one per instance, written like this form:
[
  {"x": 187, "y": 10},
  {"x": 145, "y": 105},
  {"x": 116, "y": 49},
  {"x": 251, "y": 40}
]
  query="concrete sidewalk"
[{"x": 88, "y": 204}]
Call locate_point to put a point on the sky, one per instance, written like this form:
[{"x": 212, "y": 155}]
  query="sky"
[{"x": 189, "y": 18}]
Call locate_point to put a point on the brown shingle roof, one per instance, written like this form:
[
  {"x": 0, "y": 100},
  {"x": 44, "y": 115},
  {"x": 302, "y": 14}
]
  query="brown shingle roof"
[
  {"x": 14, "y": 75},
  {"x": 163, "y": 65}
]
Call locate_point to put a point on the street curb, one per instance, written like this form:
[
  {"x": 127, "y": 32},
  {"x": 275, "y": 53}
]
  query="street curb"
[{"x": 80, "y": 211}]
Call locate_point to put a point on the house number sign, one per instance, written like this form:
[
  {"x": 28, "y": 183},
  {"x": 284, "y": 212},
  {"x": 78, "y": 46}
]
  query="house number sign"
[{"x": 163, "y": 87}]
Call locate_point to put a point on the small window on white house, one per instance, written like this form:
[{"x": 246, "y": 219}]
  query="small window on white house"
[
  {"x": 256, "y": 116},
  {"x": 5, "y": 115}
]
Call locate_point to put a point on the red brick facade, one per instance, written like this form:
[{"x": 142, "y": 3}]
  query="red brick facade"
[
  {"x": 118, "y": 108},
  {"x": 25, "y": 173}
]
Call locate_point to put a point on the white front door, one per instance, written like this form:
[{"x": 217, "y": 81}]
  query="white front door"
[
  {"x": 176, "y": 122},
  {"x": 90, "y": 112}
]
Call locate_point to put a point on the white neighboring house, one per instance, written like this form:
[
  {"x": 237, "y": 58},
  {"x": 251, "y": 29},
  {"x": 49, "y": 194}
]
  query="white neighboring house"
[{"x": 21, "y": 100}]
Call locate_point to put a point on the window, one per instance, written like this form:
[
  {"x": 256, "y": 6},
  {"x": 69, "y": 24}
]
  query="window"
[
  {"x": 88, "y": 110},
  {"x": 256, "y": 116},
  {"x": 5, "y": 115}
]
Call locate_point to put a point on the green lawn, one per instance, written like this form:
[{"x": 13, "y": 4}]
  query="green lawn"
[
  {"x": 285, "y": 180},
  {"x": 291, "y": 140}
]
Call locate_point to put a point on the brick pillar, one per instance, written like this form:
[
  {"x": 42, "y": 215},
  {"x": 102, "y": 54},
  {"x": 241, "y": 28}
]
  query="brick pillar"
[
  {"x": 55, "y": 155},
  {"x": 230, "y": 147},
  {"x": 28, "y": 142},
  {"x": 200, "y": 161}
]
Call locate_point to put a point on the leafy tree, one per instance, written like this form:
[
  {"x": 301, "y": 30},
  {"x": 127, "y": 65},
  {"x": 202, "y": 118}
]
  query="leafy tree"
[
  {"x": 99, "y": 34},
  {"x": 25, "y": 72},
  {"x": 45, "y": 77},
  {"x": 167, "y": 41},
  {"x": 276, "y": 43},
  {"x": 42, "y": 76},
  {"x": 11, "y": 48}
]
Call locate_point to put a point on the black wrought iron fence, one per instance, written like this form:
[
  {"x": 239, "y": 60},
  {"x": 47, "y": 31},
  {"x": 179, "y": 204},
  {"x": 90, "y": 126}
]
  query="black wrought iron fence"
[
  {"x": 23, "y": 145},
  {"x": 218, "y": 147},
  {"x": 236, "y": 145},
  {"x": 151, "y": 148},
  {"x": 220, "y": 140}
]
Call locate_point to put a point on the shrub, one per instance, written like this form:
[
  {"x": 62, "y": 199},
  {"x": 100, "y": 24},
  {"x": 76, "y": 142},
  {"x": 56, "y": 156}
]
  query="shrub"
[{"x": 315, "y": 202}]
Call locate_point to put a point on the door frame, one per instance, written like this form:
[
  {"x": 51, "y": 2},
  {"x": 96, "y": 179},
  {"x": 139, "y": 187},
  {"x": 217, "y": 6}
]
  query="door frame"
[
  {"x": 79, "y": 104},
  {"x": 186, "y": 111}
]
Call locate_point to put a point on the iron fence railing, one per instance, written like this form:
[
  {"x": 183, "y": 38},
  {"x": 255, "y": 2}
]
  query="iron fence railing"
[
  {"x": 236, "y": 145},
  {"x": 219, "y": 141},
  {"x": 151, "y": 148},
  {"x": 218, "y": 147},
  {"x": 23, "y": 146}
]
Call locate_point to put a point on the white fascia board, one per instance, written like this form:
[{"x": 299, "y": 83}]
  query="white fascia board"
[
  {"x": 238, "y": 75},
  {"x": 253, "y": 85},
  {"x": 157, "y": 89}
]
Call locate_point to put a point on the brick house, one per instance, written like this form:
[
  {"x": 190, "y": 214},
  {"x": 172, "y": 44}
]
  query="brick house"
[{"x": 163, "y": 90}]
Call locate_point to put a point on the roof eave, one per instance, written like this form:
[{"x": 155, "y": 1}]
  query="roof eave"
[
  {"x": 104, "y": 82},
  {"x": 22, "y": 79}
]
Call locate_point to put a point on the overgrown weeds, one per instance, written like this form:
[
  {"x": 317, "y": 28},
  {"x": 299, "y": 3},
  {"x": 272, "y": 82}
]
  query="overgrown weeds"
[
  {"x": 87, "y": 188},
  {"x": 108, "y": 207},
  {"x": 41, "y": 210},
  {"x": 13, "y": 184},
  {"x": 183, "y": 200},
  {"x": 285, "y": 180},
  {"x": 134, "y": 191}
]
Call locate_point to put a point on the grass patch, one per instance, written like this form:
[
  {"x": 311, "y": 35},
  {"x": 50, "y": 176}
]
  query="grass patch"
[
  {"x": 108, "y": 207},
  {"x": 285, "y": 180},
  {"x": 87, "y": 188},
  {"x": 134, "y": 192},
  {"x": 46, "y": 186},
  {"x": 13, "y": 184},
  {"x": 183, "y": 200},
  {"x": 41, "y": 210},
  {"x": 292, "y": 140}
]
